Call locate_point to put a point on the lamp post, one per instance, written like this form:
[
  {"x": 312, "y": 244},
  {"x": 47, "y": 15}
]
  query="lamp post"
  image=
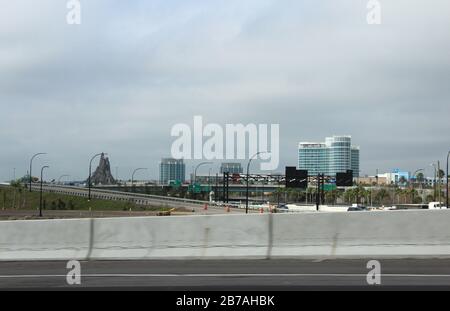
[
  {"x": 134, "y": 172},
  {"x": 448, "y": 155},
  {"x": 248, "y": 177},
  {"x": 31, "y": 165},
  {"x": 209, "y": 180},
  {"x": 415, "y": 177},
  {"x": 195, "y": 171},
  {"x": 439, "y": 184},
  {"x": 434, "y": 182},
  {"x": 195, "y": 176},
  {"x": 90, "y": 169},
  {"x": 62, "y": 176},
  {"x": 40, "y": 197}
]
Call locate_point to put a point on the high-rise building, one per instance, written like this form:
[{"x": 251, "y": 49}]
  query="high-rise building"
[
  {"x": 335, "y": 155},
  {"x": 355, "y": 161},
  {"x": 171, "y": 170},
  {"x": 232, "y": 168}
]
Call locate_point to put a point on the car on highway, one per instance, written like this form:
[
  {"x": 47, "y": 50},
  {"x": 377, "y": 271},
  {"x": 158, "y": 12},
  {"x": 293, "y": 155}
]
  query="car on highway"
[{"x": 356, "y": 209}]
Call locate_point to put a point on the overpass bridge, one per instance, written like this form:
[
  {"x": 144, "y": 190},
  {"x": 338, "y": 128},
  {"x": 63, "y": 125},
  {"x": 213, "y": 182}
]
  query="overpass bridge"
[
  {"x": 239, "y": 188},
  {"x": 139, "y": 198}
]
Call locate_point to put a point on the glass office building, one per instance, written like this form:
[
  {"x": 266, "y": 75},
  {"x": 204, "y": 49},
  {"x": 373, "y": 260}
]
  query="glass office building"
[
  {"x": 171, "y": 170},
  {"x": 335, "y": 155},
  {"x": 355, "y": 161}
]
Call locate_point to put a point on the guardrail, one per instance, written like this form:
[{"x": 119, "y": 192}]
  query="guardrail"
[{"x": 138, "y": 198}]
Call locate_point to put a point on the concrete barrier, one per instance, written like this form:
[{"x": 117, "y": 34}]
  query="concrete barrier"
[
  {"x": 45, "y": 239},
  {"x": 359, "y": 234},
  {"x": 354, "y": 234},
  {"x": 180, "y": 237}
]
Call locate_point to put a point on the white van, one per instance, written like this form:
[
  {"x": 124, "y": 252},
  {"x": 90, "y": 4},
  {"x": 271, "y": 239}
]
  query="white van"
[{"x": 436, "y": 205}]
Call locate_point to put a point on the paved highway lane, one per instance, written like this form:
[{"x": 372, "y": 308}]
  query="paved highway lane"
[
  {"x": 224, "y": 275},
  {"x": 143, "y": 199}
]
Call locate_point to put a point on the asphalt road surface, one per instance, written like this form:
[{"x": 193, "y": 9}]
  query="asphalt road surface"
[
  {"x": 225, "y": 275},
  {"x": 141, "y": 199}
]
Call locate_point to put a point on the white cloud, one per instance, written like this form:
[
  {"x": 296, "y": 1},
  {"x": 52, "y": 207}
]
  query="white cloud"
[{"x": 121, "y": 79}]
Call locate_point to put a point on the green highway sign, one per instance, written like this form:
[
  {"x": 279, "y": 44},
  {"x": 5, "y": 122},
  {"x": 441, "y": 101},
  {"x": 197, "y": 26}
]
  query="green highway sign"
[{"x": 329, "y": 187}]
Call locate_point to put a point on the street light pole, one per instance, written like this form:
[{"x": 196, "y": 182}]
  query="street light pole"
[
  {"x": 134, "y": 172},
  {"x": 434, "y": 182},
  {"x": 89, "y": 178},
  {"x": 195, "y": 176},
  {"x": 448, "y": 155},
  {"x": 31, "y": 165},
  {"x": 248, "y": 177},
  {"x": 209, "y": 180},
  {"x": 415, "y": 177},
  {"x": 62, "y": 176},
  {"x": 439, "y": 184},
  {"x": 40, "y": 197},
  {"x": 195, "y": 171}
]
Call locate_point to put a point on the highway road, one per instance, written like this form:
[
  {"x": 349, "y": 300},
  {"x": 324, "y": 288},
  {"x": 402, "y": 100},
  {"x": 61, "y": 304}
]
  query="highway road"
[
  {"x": 140, "y": 199},
  {"x": 225, "y": 275}
]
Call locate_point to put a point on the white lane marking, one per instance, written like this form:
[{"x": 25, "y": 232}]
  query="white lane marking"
[{"x": 224, "y": 275}]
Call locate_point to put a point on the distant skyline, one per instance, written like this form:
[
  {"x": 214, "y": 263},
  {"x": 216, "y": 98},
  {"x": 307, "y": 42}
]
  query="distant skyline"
[{"x": 118, "y": 82}]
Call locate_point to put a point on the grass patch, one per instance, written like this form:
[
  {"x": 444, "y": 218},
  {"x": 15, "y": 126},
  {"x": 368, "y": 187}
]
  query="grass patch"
[{"x": 19, "y": 198}]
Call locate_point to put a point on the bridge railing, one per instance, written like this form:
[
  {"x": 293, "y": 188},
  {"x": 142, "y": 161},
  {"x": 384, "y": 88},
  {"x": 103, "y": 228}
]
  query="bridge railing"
[{"x": 113, "y": 193}]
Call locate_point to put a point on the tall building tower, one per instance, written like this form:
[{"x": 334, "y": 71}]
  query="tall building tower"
[
  {"x": 335, "y": 155},
  {"x": 171, "y": 170},
  {"x": 355, "y": 161},
  {"x": 313, "y": 157}
]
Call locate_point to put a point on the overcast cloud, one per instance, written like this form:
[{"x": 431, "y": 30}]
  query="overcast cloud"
[{"x": 119, "y": 81}]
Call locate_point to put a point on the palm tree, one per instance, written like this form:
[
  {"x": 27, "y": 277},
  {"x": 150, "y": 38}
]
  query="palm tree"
[
  {"x": 381, "y": 196},
  {"x": 17, "y": 186},
  {"x": 420, "y": 178},
  {"x": 402, "y": 180},
  {"x": 349, "y": 195},
  {"x": 413, "y": 192},
  {"x": 398, "y": 194}
]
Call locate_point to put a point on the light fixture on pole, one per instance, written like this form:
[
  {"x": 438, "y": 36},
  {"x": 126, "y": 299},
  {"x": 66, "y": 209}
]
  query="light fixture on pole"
[
  {"x": 90, "y": 169},
  {"x": 248, "y": 177},
  {"x": 195, "y": 171},
  {"x": 31, "y": 165},
  {"x": 40, "y": 196},
  {"x": 62, "y": 176},
  {"x": 448, "y": 155},
  {"x": 134, "y": 172},
  {"x": 434, "y": 182}
]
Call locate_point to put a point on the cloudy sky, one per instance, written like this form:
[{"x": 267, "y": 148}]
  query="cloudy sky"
[{"x": 119, "y": 81}]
